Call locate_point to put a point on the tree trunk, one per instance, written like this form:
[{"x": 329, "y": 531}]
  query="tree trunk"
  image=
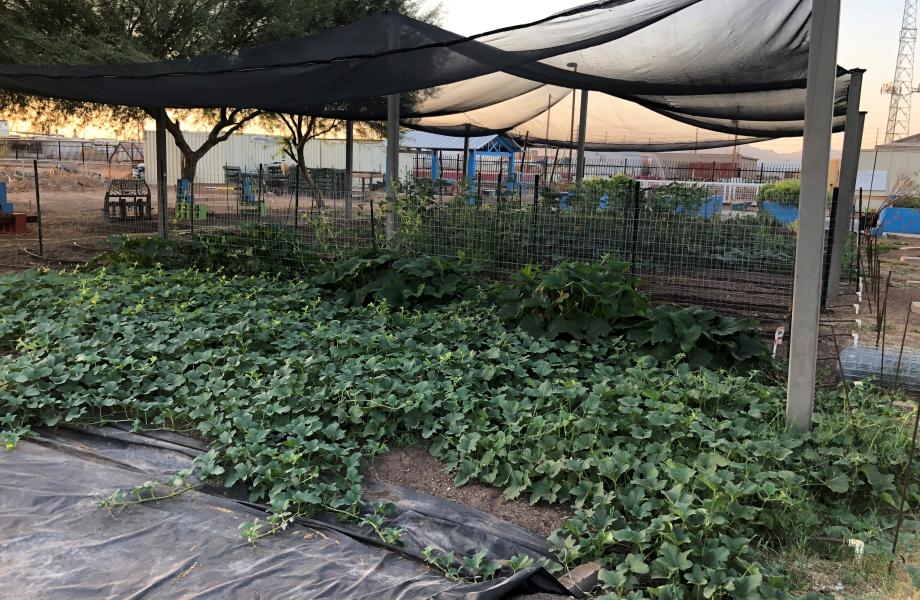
[
  {"x": 306, "y": 175},
  {"x": 190, "y": 166}
]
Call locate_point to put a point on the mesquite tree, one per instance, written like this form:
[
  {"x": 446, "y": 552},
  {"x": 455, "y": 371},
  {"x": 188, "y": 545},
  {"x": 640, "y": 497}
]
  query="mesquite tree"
[{"x": 120, "y": 31}]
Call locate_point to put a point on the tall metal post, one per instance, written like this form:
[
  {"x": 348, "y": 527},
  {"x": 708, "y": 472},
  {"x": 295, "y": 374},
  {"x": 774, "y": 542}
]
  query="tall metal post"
[
  {"x": 466, "y": 156},
  {"x": 349, "y": 166},
  {"x": 806, "y": 295},
  {"x": 392, "y": 162},
  {"x": 582, "y": 134},
  {"x": 162, "y": 197},
  {"x": 849, "y": 165},
  {"x": 38, "y": 209}
]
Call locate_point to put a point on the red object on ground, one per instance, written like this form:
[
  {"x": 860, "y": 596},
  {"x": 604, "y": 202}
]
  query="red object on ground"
[{"x": 13, "y": 223}]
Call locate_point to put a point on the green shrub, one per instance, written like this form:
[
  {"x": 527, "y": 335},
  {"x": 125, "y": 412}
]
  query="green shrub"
[
  {"x": 783, "y": 192},
  {"x": 907, "y": 202},
  {"x": 677, "y": 197}
]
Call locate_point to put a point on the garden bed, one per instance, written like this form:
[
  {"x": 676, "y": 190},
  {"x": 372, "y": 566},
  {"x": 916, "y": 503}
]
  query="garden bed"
[{"x": 681, "y": 478}]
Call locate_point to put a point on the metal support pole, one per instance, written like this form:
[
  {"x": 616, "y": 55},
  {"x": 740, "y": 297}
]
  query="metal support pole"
[
  {"x": 38, "y": 209},
  {"x": 806, "y": 295},
  {"x": 849, "y": 165},
  {"x": 637, "y": 194},
  {"x": 466, "y": 157},
  {"x": 162, "y": 198},
  {"x": 836, "y": 208},
  {"x": 349, "y": 166},
  {"x": 582, "y": 134},
  {"x": 392, "y": 162}
]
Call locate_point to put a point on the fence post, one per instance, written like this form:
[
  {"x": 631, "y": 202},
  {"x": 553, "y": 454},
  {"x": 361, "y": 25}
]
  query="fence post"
[
  {"x": 829, "y": 247},
  {"x": 191, "y": 197},
  {"x": 60, "y": 156},
  {"x": 859, "y": 223},
  {"x": 296, "y": 196},
  {"x": 637, "y": 192},
  {"x": 392, "y": 163},
  {"x": 373, "y": 222},
  {"x": 38, "y": 208},
  {"x": 162, "y": 197},
  {"x": 806, "y": 293},
  {"x": 479, "y": 189},
  {"x": 349, "y": 167},
  {"x": 533, "y": 220},
  {"x": 498, "y": 189}
]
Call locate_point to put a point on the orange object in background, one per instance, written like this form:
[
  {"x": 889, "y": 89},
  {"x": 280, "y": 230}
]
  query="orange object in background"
[{"x": 13, "y": 223}]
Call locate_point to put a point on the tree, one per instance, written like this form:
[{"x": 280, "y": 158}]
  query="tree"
[{"x": 118, "y": 31}]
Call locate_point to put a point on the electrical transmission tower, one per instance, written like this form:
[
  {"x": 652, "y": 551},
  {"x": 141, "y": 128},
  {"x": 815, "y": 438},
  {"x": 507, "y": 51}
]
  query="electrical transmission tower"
[{"x": 902, "y": 88}]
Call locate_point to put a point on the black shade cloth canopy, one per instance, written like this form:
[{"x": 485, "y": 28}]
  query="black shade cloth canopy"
[{"x": 661, "y": 74}]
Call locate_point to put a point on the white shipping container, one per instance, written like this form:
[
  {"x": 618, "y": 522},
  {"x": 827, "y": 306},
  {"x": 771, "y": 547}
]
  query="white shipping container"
[{"x": 249, "y": 151}]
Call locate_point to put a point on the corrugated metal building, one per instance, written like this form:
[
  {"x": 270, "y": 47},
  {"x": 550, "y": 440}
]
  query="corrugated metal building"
[{"x": 249, "y": 151}]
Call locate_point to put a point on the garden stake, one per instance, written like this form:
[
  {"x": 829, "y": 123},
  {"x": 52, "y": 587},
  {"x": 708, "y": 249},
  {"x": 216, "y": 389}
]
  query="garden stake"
[
  {"x": 883, "y": 309},
  {"x": 904, "y": 486},
  {"x": 859, "y": 222},
  {"x": 897, "y": 371},
  {"x": 866, "y": 292},
  {"x": 881, "y": 369},
  {"x": 38, "y": 208},
  {"x": 843, "y": 373}
]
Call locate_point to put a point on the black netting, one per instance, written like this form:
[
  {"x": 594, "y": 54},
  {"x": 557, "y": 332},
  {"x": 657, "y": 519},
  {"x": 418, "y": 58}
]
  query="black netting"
[{"x": 662, "y": 74}]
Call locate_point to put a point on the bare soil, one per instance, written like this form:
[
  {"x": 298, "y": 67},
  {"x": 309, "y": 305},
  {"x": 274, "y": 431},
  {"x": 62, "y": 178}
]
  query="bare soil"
[{"x": 416, "y": 469}]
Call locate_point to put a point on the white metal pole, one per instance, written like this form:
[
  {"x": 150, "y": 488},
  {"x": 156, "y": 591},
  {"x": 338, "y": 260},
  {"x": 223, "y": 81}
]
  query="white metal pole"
[
  {"x": 806, "y": 296},
  {"x": 849, "y": 165},
  {"x": 392, "y": 162}
]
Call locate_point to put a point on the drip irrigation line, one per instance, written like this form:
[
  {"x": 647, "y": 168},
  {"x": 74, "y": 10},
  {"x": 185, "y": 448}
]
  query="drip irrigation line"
[{"x": 52, "y": 259}]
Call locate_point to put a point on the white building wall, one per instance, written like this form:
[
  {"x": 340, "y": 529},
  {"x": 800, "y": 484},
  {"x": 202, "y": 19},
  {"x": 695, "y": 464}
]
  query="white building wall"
[{"x": 249, "y": 151}]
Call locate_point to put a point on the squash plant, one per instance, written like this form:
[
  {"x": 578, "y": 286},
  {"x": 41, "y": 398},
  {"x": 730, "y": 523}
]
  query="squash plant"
[
  {"x": 704, "y": 337},
  {"x": 577, "y": 301}
]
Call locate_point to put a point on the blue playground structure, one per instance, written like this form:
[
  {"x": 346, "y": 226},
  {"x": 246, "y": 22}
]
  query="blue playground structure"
[
  {"x": 498, "y": 146},
  {"x": 6, "y": 206}
]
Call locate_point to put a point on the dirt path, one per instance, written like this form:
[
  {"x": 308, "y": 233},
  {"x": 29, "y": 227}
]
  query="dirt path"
[{"x": 416, "y": 469}]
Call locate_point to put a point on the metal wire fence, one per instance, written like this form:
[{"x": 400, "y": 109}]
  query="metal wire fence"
[
  {"x": 72, "y": 151},
  {"x": 711, "y": 244}
]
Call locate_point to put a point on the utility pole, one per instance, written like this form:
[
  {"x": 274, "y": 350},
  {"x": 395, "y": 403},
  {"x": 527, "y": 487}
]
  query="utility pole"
[{"x": 902, "y": 87}]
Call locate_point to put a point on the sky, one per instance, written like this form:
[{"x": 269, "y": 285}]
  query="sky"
[{"x": 869, "y": 32}]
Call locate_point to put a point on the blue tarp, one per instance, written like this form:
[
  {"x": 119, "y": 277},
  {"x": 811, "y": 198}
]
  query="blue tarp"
[
  {"x": 784, "y": 213},
  {"x": 711, "y": 208},
  {"x": 898, "y": 220}
]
